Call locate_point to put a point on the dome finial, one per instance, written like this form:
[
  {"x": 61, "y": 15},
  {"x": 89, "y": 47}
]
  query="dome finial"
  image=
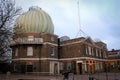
[{"x": 34, "y": 8}]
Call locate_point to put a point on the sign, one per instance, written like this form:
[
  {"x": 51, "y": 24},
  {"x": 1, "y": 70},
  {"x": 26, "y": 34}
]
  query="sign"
[{"x": 79, "y": 61}]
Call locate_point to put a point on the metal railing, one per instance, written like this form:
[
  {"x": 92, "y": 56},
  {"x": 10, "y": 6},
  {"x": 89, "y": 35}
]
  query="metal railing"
[{"x": 26, "y": 41}]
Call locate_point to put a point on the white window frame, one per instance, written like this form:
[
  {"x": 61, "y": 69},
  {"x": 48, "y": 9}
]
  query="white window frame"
[
  {"x": 92, "y": 52},
  {"x": 52, "y": 51},
  {"x": 105, "y": 55},
  {"x": 86, "y": 50},
  {"x": 16, "y": 52},
  {"x": 85, "y": 67},
  {"x": 100, "y": 53},
  {"x": 89, "y": 50},
  {"x": 96, "y": 52},
  {"x": 29, "y": 51},
  {"x": 61, "y": 66},
  {"x": 30, "y": 38},
  {"x": 96, "y": 68},
  {"x": 52, "y": 38},
  {"x": 69, "y": 65}
]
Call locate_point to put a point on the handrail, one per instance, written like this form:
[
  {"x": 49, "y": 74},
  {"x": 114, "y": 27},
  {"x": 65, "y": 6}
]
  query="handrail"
[{"x": 26, "y": 41}]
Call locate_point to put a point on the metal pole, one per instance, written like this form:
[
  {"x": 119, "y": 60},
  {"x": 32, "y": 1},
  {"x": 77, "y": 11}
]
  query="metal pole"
[
  {"x": 39, "y": 63},
  {"x": 73, "y": 76},
  {"x": 81, "y": 76},
  {"x": 106, "y": 72},
  {"x": 115, "y": 72}
]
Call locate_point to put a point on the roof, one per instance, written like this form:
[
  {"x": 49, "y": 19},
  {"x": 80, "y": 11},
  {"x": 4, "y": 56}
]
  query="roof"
[{"x": 34, "y": 21}]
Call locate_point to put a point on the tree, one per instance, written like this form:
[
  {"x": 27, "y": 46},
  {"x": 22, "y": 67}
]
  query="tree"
[{"x": 8, "y": 12}]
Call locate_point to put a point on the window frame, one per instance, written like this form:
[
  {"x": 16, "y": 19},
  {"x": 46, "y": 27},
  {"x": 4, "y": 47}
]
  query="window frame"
[
  {"x": 16, "y": 52},
  {"x": 29, "y": 51}
]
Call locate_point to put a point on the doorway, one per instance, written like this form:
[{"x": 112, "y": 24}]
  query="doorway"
[
  {"x": 29, "y": 68},
  {"x": 55, "y": 68},
  {"x": 80, "y": 68},
  {"x": 23, "y": 68}
]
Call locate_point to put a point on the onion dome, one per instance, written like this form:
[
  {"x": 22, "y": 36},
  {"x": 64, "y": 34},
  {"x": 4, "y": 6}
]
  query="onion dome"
[{"x": 34, "y": 21}]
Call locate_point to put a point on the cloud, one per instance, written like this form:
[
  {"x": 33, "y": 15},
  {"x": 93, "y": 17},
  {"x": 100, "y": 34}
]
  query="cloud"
[
  {"x": 101, "y": 20},
  {"x": 98, "y": 18}
]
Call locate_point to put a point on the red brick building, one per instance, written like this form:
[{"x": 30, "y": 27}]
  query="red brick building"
[
  {"x": 34, "y": 46},
  {"x": 36, "y": 49},
  {"x": 113, "y": 60},
  {"x": 83, "y": 55}
]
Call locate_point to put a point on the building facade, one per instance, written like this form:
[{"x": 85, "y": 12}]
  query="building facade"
[
  {"x": 82, "y": 55},
  {"x": 36, "y": 49},
  {"x": 34, "y": 45},
  {"x": 113, "y": 63}
]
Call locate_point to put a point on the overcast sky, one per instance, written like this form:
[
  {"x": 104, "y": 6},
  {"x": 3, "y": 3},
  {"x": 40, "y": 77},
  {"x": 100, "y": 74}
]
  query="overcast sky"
[{"x": 99, "y": 19}]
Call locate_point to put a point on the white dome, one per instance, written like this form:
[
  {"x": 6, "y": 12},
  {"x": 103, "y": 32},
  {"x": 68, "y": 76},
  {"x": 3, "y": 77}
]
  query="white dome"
[
  {"x": 34, "y": 21},
  {"x": 64, "y": 38}
]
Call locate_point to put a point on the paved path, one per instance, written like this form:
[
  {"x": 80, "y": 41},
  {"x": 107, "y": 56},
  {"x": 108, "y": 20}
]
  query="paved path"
[{"x": 98, "y": 76}]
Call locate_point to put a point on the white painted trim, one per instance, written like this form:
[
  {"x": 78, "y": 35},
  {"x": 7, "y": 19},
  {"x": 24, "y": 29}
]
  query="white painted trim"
[
  {"x": 34, "y": 59},
  {"x": 52, "y": 65},
  {"x": 38, "y": 72},
  {"x": 77, "y": 58},
  {"x": 79, "y": 61},
  {"x": 50, "y": 43}
]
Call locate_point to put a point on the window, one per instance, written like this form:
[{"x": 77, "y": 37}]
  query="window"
[
  {"x": 86, "y": 67},
  {"x": 101, "y": 65},
  {"x": 105, "y": 55},
  {"x": 15, "y": 67},
  {"x": 96, "y": 66},
  {"x": 86, "y": 50},
  {"x": 92, "y": 52},
  {"x": 96, "y": 52},
  {"x": 61, "y": 66},
  {"x": 52, "y": 38},
  {"x": 89, "y": 49},
  {"x": 52, "y": 51},
  {"x": 69, "y": 66},
  {"x": 30, "y": 38},
  {"x": 16, "y": 52},
  {"x": 100, "y": 53},
  {"x": 30, "y": 51}
]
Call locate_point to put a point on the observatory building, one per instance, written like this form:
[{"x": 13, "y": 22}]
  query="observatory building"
[{"x": 36, "y": 49}]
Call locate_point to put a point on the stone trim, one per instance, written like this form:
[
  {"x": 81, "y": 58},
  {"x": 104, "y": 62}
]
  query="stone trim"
[
  {"x": 34, "y": 59},
  {"x": 77, "y": 58},
  {"x": 50, "y": 43},
  {"x": 71, "y": 43}
]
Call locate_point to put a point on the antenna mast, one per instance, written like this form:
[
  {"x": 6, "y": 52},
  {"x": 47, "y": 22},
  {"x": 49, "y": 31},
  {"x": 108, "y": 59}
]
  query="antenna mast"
[{"x": 79, "y": 24}]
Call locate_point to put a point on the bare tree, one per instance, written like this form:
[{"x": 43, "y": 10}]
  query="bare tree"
[{"x": 8, "y": 12}]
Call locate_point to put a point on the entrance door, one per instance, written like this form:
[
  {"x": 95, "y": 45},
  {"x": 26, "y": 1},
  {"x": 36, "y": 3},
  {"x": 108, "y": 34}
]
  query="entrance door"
[
  {"x": 29, "y": 68},
  {"x": 55, "y": 68},
  {"x": 23, "y": 68},
  {"x": 80, "y": 67}
]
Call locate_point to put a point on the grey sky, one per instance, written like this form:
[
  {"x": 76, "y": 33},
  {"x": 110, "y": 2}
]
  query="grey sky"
[{"x": 98, "y": 18}]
